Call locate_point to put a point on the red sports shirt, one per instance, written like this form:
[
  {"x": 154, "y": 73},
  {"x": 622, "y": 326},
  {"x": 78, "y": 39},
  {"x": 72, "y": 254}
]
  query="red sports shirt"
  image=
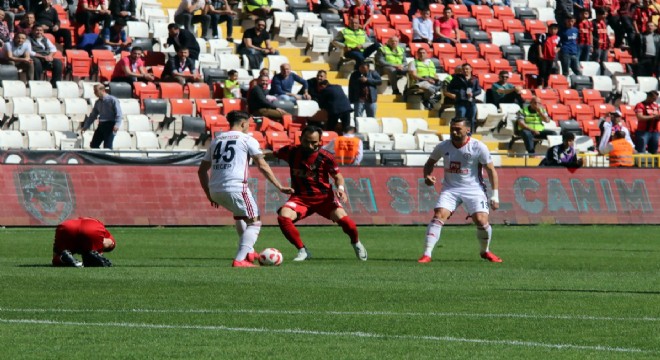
[
  {"x": 80, "y": 235},
  {"x": 600, "y": 29},
  {"x": 647, "y": 109},
  {"x": 585, "y": 33},
  {"x": 309, "y": 175}
]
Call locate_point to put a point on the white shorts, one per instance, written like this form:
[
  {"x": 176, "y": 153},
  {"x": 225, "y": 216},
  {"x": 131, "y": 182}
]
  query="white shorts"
[
  {"x": 240, "y": 204},
  {"x": 475, "y": 200}
]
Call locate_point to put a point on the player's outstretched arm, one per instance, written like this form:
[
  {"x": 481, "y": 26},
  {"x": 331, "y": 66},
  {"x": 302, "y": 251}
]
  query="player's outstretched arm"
[
  {"x": 495, "y": 183},
  {"x": 269, "y": 155},
  {"x": 428, "y": 170},
  {"x": 203, "y": 174},
  {"x": 341, "y": 191},
  {"x": 265, "y": 169}
]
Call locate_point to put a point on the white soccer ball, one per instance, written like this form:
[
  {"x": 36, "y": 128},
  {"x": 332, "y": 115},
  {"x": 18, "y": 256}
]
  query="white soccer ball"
[{"x": 271, "y": 257}]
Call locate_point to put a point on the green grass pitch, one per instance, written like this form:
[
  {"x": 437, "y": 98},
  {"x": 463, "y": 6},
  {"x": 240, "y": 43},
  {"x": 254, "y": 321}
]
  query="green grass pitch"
[{"x": 563, "y": 292}]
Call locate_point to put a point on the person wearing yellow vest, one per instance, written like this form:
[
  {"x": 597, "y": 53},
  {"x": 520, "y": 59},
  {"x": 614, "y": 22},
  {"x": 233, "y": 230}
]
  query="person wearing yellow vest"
[
  {"x": 346, "y": 148},
  {"x": 389, "y": 60},
  {"x": 620, "y": 151},
  {"x": 563, "y": 154},
  {"x": 353, "y": 40},
  {"x": 422, "y": 75},
  {"x": 529, "y": 123},
  {"x": 259, "y": 8}
]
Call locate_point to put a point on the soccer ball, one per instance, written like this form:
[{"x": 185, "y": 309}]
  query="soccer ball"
[{"x": 270, "y": 257}]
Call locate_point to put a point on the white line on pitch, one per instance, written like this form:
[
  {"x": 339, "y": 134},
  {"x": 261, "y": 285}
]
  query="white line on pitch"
[
  {"x": 350, "y": 313},
  {"x": 604, "y": 348}
]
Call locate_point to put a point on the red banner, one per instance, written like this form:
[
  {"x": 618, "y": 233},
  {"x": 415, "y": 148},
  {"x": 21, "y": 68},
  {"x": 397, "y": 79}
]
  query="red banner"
[{"x": 171, "y": 195}]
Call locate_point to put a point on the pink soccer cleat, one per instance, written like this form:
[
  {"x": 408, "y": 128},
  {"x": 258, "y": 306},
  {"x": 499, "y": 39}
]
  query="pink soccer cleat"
[
  {"x": 252, "y": 257},
  {"x": 424, "y": 259},
  {"x": 491, "y": 257},
  {"x": 243, "y": 263}
]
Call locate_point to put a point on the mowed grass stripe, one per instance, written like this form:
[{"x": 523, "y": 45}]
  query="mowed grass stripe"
[
  {"x": 603, "y": 348},
  {"x": 347, "y": 313}
]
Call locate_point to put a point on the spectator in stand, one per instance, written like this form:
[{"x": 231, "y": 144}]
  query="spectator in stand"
[
  {"x": 259, "y": 105},
  {"x": 423, "y": 28},
  {"x": 26, "y": 24},
  {"x": 619, "y": 150},
  {"x": 49, "y": 20},
  {"x": 313, "y": 85},
  {"x": 362, "y": 12},
  {"x": 504, "y": 92},
  {"x": 529, "y": 123},
  {"x": 4, "y": 30},
  {"x": 421, "y": 74},
  {"x": 622, "y": 23},
  {"x": 648, "y": 116},
  {"x": 108, "y": 111},
  {"x": 549, "y": 46},
  {"x": 568, "y": 54},
  {"x": 42, "y": 55},
  {"x": 17, "y": 53},
  {"x": 131, "y": 68},
  {"x": 123, "y": 9},
  {"x": 466, "y": 88},
  {"x": 220, "y": 12},
  {"x": 231, "y": 89},
  {"x": 564, "y": 10},
  {"x": 334, "y": 6},
  {"x": 579, "y": 6},
  {"x": 641, "y": 17},
  {"x": 347, "y": 148},
  {"x": 114, "y": 38},
  {"x": 446, "y": 28},
  {"x": 256, "y": 44},
  {"x": 363, "y": 91},
  {"x": 418, "y": 5},
  {"x": 92, "y": 12},
  {"x": 282, "y": 85},
  {"x": 585, "y": 39},
  {"x": 646, "y": 51},
  {"x": 14, "y": 10},
  {"x": 181, "y": 69},
  {"x": 563, "y": 154},
  {"x": 608, "y": 126},
  {"x": 186, "y": 17},
  {"x": 449, "y": 99},
  {"x": 259, "y": 8},
  {"x": 334, "y": 101},
  {"x": 353, "y": 39},
  {"x": 183, "y": 38},
  {"x": 389, "y": 60},
  {"x": 601, "y": 40}
]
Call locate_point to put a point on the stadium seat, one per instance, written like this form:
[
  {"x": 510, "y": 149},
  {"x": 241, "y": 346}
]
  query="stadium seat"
[
  {"x": 569, "y": 97},
  {"x": 481, "y": 12},
  {"x": 58, "y": 122},
  {"x": 181, "y": 107},
  {"x": 582, "y": 112},
  {"x": 500, "y": 38},
  {"x": 67, "y": 89},
  {"x": 489, "y": 51},
  {"x": 466, "y": 51},
  {"x": 171, "y": 90},
  {"x": 503, "y": 12},
  {"x": 592, "y": 97},
  {"x": 426, "y": 140},
  {"x": 487, "y": 80},
  {"x": 547, "y": 96},
  {"x": 22, "y": 105},
  {"x": 414, "y": 124},
  {"x": 144, "y": 90},
  {"x": 129, "y": 107},
  {"x": 497, "y": 65},
  {"x": 327, "y": 137},
  {"x": 207, "y": 106},
  {"x": 257, "y": 135},
  {"x": 579, "y": 82},
  {"x": 155, "y": 109},
  {"x": 121, "y": 90},
  {"x": 198, "y": 91},
  {"x": 647, "y": 83},
  {"x": 277, "y": 139},
  {"x": 229, "y": 105},
  {"x": 215, "y": 122},
  {"x": 559, "y": 112},
  {"x": 367, "y": 125},
  {"x": 11, "y": 139},
  {"x": 590, "y": 68},
  {"x": 40, "y": 140},
  {"x": 414, "y": 47},
  {"x": 404, "y": 142},
  {"x": 613, "y": 68},
  {"x": 392, "y": 125},
  {"x": 138, "y": 123},
  {"x": 8, "y": 73},
  {"x": 479, "y": 66},
  {"x": 633, "y": 97},
  {"x": 558, "y": 82},
  {"x": 441, "y": 50},
  {"x": 122, "y": 141},
  {"x": 76, "y": 108},
  {"x": 29, "y": 122},
  {"x": 459, "y": 10},
  {"x": 449, "y": 64},
  {"x": 146, "y": 140},
  {"x": 307, "y": 108},
  {"x": 488, "y": 117},
  {"x": 229, "y": 61},
  {"x": 49, "y": 106},
  {"x": 603, "y": 109},
  {"x": 40, "y": 89},
  {"x": 622, "y": 57},
  {"x": 380, "y": 141},
  {"x": 13, "y": 88}
]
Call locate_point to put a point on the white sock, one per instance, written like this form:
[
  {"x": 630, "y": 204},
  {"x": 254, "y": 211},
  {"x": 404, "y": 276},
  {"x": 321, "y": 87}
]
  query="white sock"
[
  {"x": 483, "y": 235},
  {"x": 432, "y": 235},
  {"x": 240, "y": 226},
  {"x": 248, "y": 239}
]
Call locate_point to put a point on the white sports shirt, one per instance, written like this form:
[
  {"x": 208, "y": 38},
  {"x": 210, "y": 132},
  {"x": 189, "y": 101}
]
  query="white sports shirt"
[
  {"x": 230, "y": 155},
  {"x": 463, "y": 166}
]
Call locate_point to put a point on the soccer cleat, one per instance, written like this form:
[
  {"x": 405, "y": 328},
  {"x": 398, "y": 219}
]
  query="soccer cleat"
[
  {"x": 491, "y": 257},
  {"x": 68, "y": 260},
  {"x": 252, "y": 257},
  {"x": 243, "y": 263},
  {"x": 424, "y": 259},
  {"x": 360, "y": 251},
  {"x": 303, "y": 255}
]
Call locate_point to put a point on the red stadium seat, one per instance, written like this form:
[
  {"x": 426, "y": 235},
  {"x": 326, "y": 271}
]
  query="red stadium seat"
[
  {"x": 525, "y": 68},
  {"x": 591, "y": 128},
  {"x": 627, "y": 112},
  {"x": 513, "y": 25},
  {"x": 105, "y": 73},
  {"x": 181, "y": 107},
  {"x": 171, "y": 90},
  {"x": 479, "y": 66},
  {"x": 207, "y": 106},
  {"x": 623, "y": 56},
  {"x": 559, "y": 112},
  {"x": 396, "y": 19},
  {"x": 487, "y": 80},
  {"x": 516, "y": 79},
  {"x": 436, "y": 10},
  {"x": 592, "y": 97},
  {"x": 79, "y": 63},
  {"x": 569, "y": 97},
  {"x": 602, "y": 110},
  {"x": 216, "y": 121},
  {"x": 490, "y": 25},
  {"x": 414, "y": 47},
  {"x": 535, "y": 27},
  {"x": 378, "y": 19},
  {"x": 526, "y": 95},
  {"x": 558, "y": 82},
  {"x": 503, "y": 12},
  {"x": 481, "y": 12},
  {"x": 582, "y": 112},
  {"x": 328, "y": 136},
  {"x": 497, "y": 65},
  {"x": 277, "y": 139},
  {"x": 229, "y": 105},
  {"x": 384, "y": 33},
  {"x": 466, "y": 51},
  {"x": 459, "y": 10},
  {"x": 143, "y": 90},
  {"x": 449, "y": 64},
  {"x": 198, "y": 91},
  {"x": 257, "y": 135},
  {"x": 547, "y": 96},
  {"x": 489, "y": 51},
  {"x": 406, "y": 35},
  {"x": 441, "y": 50},
  {"x": 157, "y": 71}
]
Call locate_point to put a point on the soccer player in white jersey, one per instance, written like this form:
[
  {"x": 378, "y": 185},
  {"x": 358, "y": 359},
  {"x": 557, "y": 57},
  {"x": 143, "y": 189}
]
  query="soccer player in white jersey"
[
  {"x": 228, "y": 159},
  {"x": 464, "y": 160}
]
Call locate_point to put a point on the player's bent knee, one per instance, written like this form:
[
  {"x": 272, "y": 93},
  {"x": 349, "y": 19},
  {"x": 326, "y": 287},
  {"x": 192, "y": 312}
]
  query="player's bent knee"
[
  {"x": 287, "y": 213},
  {"x": 337, "y": 214},
  {"x": 253, "y": 220}
]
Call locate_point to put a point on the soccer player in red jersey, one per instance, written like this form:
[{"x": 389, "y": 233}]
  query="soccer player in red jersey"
[
  {"x": 86, "y": 236},
  {"x": 311, "y": 168}
]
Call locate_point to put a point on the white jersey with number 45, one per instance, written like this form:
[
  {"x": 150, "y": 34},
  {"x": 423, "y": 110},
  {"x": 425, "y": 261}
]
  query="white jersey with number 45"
[
  {"x": 463, "y": 166},
  {"x": 230, "y": 155}
]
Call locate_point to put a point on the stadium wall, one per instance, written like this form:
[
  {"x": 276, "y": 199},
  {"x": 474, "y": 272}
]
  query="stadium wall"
[{"x": 43, "y": 195}]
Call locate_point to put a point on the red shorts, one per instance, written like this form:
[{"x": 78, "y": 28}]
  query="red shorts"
[{"x": 306, "y": 206}]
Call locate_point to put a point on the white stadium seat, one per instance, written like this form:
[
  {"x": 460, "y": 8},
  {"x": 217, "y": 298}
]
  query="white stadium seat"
[
  {"x": 129, "y": 107},
  {"x": 307, "y": 108},
  {"x": 146, "y": 140},
  {"x": 415, "y": 158},
  {"x": 77, "y": 109},
  {"x": 275, "y": 61},
  {"x": 138, "y": 123},
  {"x": 67, "y": 89},
  {"x": 40, "y": 89},
  {"x": 137, "y": 29},
  {"x": 647, "y": 83},
  {"x": 22, "y": 105},
  {"x": 11, "y": 139},
  {"x": 40, "y": 140},
  {"x": 379, "y": 141},
  {"x": 49, "y": 106},
  {"x": 58, "y": 122},
  {"x": 392, "y": 125},
  {"x": 367, "y": 125},
  {"x": 590, "y": 68},
  {"x": 122, "y": 141},
  {"x": 13, "y": 88},
  {"x": 413, "y": 124},
  {"x": 404, "y": 142},
  {"x": 424, "y": 140},
  {"x": 30, "y": 122}
]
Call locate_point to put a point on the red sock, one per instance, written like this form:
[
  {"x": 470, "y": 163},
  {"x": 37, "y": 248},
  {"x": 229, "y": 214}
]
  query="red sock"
[
  {"x": 290, "y": 232},
  {"x": 349, "y": 228}
]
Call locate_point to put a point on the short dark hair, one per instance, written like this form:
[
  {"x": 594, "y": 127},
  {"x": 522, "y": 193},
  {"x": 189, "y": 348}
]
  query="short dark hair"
[
  {"x": 349, "y": 129},
  {"x": 600, "y": 11},
  {"x": 457, "y": 120},
  {"x": 232, "y": 72},
  {"x": 136, "y": 48},
  {"x": 553, "y": 26},
  {"x": 173, "y": 26},
  {"x": 504, "y": 72},
  {"x": 321, "y": 72},
  {"x": 652, "y": 93},
  {"x": 182, "y": 48},
  {"x": 310, "y": 129},
  {"x": 235, "y": 117},
  {"x": 567, "y": 136}
]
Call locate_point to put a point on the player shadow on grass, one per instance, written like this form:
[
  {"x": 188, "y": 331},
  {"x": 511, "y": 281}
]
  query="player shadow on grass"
[{"x": 589, "y": 291}]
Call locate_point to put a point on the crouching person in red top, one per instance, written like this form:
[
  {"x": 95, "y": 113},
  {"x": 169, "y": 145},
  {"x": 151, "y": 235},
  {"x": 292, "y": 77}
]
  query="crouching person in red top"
[
  {"x": 85, "y": 236},
  {"x": 311, "y": 168}
]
